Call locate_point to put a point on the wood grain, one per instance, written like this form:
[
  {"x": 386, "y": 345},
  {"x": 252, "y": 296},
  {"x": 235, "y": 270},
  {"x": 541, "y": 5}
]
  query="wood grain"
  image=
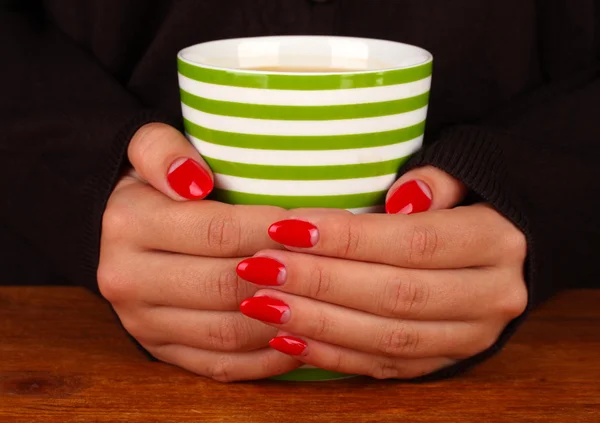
[{"x": 64, "y": 358}]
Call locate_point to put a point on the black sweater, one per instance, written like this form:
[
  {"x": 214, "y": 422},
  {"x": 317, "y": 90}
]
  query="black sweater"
[{"x": 515, "y": 113}]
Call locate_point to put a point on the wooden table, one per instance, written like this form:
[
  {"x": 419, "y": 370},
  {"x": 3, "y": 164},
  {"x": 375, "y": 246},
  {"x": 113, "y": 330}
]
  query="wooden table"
[{"x": 64, "y": 358}]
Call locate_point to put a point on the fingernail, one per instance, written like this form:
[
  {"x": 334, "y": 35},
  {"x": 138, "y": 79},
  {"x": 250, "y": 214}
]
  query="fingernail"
[
  {"x": 288, "y": 345},
  {"x": 266, "y": 309},
  {"x": 262, "y": 271},
  {"x": 294, "y": 233},
  {"x": 189, "y": 179},
  {"x": 412, "y": 197}
]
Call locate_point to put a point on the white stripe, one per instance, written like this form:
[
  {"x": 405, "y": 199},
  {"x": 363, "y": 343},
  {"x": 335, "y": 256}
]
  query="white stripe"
[
  {"x": 304, "y": 98},
  {"x": 304, "y": 127},
  {"x": 307, "y": 158},
  {"x": 301, "y": 188},
  {"x": 373, "y": 209}
]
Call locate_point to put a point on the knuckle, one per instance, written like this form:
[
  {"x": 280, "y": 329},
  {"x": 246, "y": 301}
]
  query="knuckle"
[
  {"x": 222, "y": 286},
  {"x": 321, "y": 326},
  {"x": 422, "y": 243},
  {"x": 117, "y": 221},
  {"x": 350, "y": 237},
  {"x": 514, "y": 302},
  {"x": 385, "y": 369},
  {"x": 404, "y": 297},
  {"x": 145, "y": 140},
  {"x": 227, "y": 288},
  {"x": 221, "y": 370},
  {"x": 320, "y": 283},
  {"x": 401, "y": 340},
  {"x": 223, "y": 233},
  {"x": 225, "y": 335},
  {"x": 517, "y": 244},
  {"x": 113, "y": 284},
  {"x": 336, "y": 361},
  {"x": 391, "y": 369}
]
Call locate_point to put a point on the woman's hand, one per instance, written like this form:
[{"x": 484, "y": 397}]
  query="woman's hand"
[
  {"x": 168, "y": 265},
  {"x": 391, "y": 296}
]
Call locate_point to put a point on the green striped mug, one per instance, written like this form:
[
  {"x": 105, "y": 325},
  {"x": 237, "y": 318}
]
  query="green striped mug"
[{"x": 305, "y": 121}]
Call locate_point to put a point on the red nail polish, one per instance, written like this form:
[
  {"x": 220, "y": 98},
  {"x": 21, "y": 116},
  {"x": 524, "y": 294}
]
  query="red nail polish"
[
  {"x": 411, "y": 197},
  {"x": 189, "y": 179},
  {"x": 262, "y": 271},
  {"x": 288, "y": 345},
  {"x": 294, "y": 233},
  {"x": 267, "y": 309}
]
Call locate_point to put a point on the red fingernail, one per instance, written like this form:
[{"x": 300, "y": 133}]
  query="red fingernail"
[
  {"x": 267, "y": 309},
  {"x": 262, "y": 271},
  {"x": 189, "y": 179},
  {"x": 411, "y": 197},
  {"x": 294, "y": 233},
  {"x": 288, "y": 345}
]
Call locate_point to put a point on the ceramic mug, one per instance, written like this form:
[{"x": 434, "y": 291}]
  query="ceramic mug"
[{"x": 305, "y": 121}]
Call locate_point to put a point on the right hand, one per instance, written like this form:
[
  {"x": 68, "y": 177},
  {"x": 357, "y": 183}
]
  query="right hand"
[{"x": 167, "y": 265}]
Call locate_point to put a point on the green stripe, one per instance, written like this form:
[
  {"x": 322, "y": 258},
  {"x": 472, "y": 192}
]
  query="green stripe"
[
  {"x": 305, "y": 173},
  {"x": 278, "y": 112},
  {"x": 284, "y": 142},
  {"x": 350, "y": 201},
  {"x": 304, "y": 82}
]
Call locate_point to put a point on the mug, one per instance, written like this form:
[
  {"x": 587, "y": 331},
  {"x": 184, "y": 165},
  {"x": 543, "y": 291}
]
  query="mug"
[{"x": 305, "y": 121}]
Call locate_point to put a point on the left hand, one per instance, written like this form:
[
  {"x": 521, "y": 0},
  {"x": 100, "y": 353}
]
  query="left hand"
[{"x": 391, "y": 295}]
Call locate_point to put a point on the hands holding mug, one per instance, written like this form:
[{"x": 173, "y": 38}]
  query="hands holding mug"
[
  {"x": 223, "y": 290},
  {"x": 389, "y": 296},
  {"x": 167, "y": 264}
]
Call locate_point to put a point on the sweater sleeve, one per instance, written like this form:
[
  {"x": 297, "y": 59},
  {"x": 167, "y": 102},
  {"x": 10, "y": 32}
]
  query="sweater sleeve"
[
  {"x": 65, "y": 126},
  {"x": 536, "y": 162}
]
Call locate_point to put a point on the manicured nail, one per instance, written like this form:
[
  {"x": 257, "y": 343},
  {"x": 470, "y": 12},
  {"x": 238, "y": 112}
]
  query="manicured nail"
[
  {"x": 262, "y": 271},
  {"x": 294, "y": 233},
  {"x": 411, "y": 197},
  {"x": 266, "y": 309},
  {"x": 288, "y": 345},
  {"x": 189, "y": 179}
]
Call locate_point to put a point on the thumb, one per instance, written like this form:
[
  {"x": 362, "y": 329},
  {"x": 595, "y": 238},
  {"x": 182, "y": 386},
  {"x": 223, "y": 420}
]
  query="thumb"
[
  {"x": 164, "y": 158},
  {"x": 422, "y": 189}
]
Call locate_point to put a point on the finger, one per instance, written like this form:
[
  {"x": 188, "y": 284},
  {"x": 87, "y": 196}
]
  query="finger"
[
  {"x": 175, "y": 280},
  {"x": 365, "y": 332},
  {"x": 230, "y": 367},
  {"x": 422, "y": 189},
  {"x": 165, "y": 159},
  {"x": 446, "y": 239},
  {"x": 462, "y": 294},
  {"x": 343, "y": 360},
  {"x": 139, "y": 215},
  {"x": 207, "y": 330}
]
